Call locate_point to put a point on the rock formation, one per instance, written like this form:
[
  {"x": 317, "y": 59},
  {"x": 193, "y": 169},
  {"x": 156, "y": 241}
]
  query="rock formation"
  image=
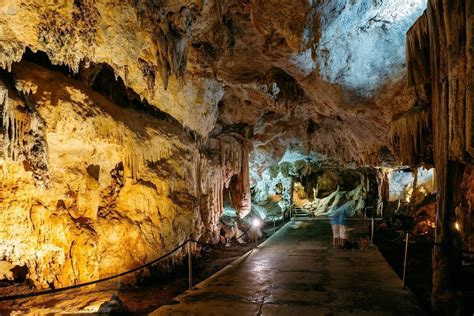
[
  {"x": 129, "y": 126},
  {"x": 439, "y": 54},
  {"x": 83, "y": 178}
]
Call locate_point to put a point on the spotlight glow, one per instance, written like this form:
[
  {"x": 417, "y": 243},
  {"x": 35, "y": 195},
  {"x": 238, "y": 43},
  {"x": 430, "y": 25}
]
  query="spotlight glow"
[
  {"x": 256, "y": 222},
  {"x": 457, "y": 226}
]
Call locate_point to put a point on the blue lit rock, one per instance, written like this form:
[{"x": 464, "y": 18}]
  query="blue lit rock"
[{"x": 362, "y": 46}]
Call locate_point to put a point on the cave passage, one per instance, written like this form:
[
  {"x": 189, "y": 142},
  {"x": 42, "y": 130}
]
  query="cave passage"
[
  {"x": 327, "y": 146},
  {"x": 297, "y": 271}
]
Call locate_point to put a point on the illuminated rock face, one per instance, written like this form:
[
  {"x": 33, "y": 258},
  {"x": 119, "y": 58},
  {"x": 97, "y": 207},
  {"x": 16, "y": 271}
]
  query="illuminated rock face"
[
  {"x": 139, "y": 48},
  {"x": 363, "y": 43},
  {"x": 95, "y": 183},
  {"x": 251, "y": 58},
  {"x": 401, "y": 184},
  {"x": 112, "y": 189}
]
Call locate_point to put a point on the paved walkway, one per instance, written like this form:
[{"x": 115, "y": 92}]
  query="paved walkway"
[{"x": 297, "y": 273}]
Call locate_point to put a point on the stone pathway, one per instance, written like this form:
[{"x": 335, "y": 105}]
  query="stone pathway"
[{"x": 296, "y": 272}]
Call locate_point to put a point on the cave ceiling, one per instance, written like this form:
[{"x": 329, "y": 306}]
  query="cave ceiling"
[{"x": 318, "y": 78}]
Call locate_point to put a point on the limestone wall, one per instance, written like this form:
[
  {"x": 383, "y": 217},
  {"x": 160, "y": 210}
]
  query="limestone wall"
[
  {"x": 90, "y": 189},
  {"x": 440, "y": 59}
]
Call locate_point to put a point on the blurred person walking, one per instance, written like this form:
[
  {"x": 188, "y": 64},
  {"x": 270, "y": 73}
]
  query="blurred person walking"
[{"x": 338, "y": 224}]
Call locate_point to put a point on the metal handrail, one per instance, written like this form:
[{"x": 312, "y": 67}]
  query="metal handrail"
[
  {"x": 76, "y": 286},
  {"x": 406, "y": 239},
  {"x": 146, "y": 265}
]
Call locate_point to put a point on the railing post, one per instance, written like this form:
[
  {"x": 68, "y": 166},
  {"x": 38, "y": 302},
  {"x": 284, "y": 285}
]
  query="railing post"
[
  {"x": 405, "y": 260},
  {"x": 372, "y": 224},
  {"x": 255, "y": 244},
  {"x": 190, "y": 265},
  {"x": 273, "y": 223}
]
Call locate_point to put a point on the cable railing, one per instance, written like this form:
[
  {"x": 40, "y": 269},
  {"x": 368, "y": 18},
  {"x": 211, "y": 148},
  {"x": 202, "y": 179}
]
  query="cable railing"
[
  {"x": 351, "y": 223},
  {"x": 358, "y": 227},
  {"x": 136, "y": 269},
  {"x": 253, "y": 239},
  {"x": 76, "y": 286},
  {"x": 405, "y": 238}
]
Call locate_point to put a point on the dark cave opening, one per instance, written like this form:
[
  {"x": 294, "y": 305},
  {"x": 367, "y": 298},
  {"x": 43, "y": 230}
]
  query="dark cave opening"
[
  {"x": 102, "y": 79},
  {"x": 41, "y": 58},
  {"x": 231, "y": 194}
]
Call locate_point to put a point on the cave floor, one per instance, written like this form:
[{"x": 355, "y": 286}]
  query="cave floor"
[{"x": 298, "y": 272}]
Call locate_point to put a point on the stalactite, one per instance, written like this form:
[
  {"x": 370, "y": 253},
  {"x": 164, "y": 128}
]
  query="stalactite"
[
  {"x": 24, "y": 132},
  {"x": 10, "y": 52},
  {"x": 3, "y": 104},
  {"x": 15, "y": 124},
  {"x": 418, "y": 53},
  {"x": 443, "y": 33},
  {"x": 232, "y": 160},
  {"x": 383, "y": 189},
  {"x": 246, "y": 203},
  {"x": 172, "y": 35},
  {"x": 410, "y": 134},
  {"x": 135, "y": 155}
]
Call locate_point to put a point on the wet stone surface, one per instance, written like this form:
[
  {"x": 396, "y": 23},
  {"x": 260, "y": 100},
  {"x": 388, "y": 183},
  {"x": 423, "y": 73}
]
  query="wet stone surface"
[{"x": 297, "y": 272}]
